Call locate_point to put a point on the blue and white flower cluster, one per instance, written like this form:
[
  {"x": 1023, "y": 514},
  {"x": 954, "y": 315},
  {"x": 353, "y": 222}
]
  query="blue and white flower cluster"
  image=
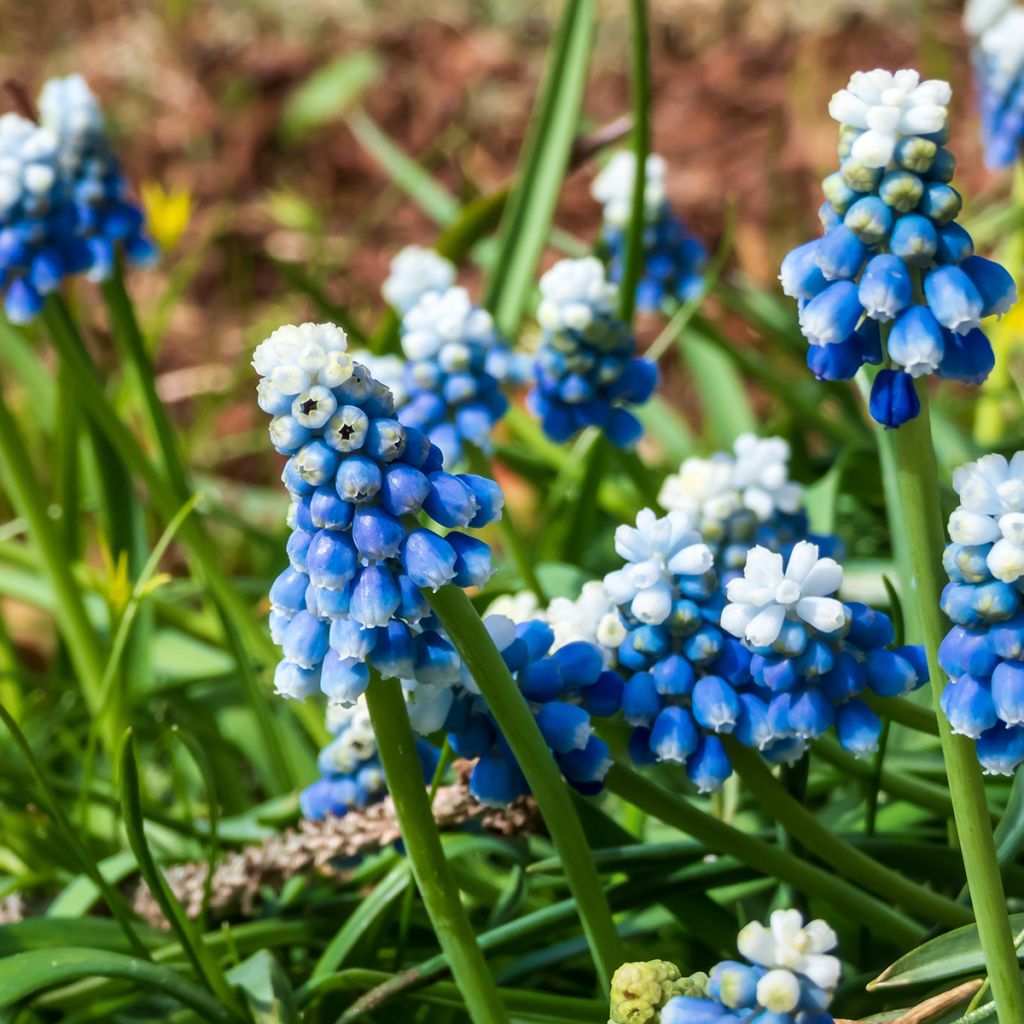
[
  {"x": 587, "y": 372},
  {"x": 813, "y": 656},
  {"x": 674, "y": 260},
  {"x": 741, "y": 498},
  {"x": 360, "y": 480},
  {"x": 456, "y": 361},
  {"x": 351, "y": 775},
  {"x": 64, "y": 207},
  {"x": 564, "y": 688},
  {"x": 789, "y": 977},
  {"x": 893, "y": 264},
  {"x": 983, "y": 654},
  {"x": 996, "y": 29},
  {"x": 775, "y": 660}
]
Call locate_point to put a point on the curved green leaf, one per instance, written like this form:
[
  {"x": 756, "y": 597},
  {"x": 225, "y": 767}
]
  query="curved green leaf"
[
  {"x": 948, "y": 956},
  {"x": 27, "y": 974}
]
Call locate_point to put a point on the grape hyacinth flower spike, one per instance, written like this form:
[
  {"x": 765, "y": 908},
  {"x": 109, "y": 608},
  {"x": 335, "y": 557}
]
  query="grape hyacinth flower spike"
[
  {"x": 895, "y": 279},
  {"x": 674, "y": 260},
  {"x": 741, "y": 498},
  {"x": 456, "y": 366},
  {"x": 565, "y": 689},
  {"x": 996, "y": 30},
  {"x": 416, "y": 272},
  {"x": 351, "y": 776},
  {"x": 788, "y": 976},
  {"x": 588, "y": 372},
  {"x": 983, "y": 654},
  {"x": 364, "y": 489},
  {"x": 106, "y": 216},
  {"x": 813, "y": 656}
]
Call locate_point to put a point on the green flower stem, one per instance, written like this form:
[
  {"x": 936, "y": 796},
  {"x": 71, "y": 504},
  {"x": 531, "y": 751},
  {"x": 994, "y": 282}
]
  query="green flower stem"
[
  {"x": 847, "y": 861},
  {"x": 884, "y": 920},
  {"x": 83, "y": 645},
  {"x": 917, "y": 475},
  {"x": 397, "y": 747},
  {"x": 241, "y": 631},
  {"x": 513, "y": 539},
  {"x": 640, "y": 85},
  {"x": 901, "y": 785},
  {"x": 517, "y": 724}
]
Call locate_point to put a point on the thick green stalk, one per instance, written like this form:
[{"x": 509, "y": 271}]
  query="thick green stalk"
[
  {"x": 513, "y": 539},
  {"x": 917, "y": 475},
  {"x": 845, "y": 859},
  {"x": 857, "y": 905},
  {"x": 397, "y": 747},
  {"x": 640, "y": 84},
  {"x": 517, "y": 724}
]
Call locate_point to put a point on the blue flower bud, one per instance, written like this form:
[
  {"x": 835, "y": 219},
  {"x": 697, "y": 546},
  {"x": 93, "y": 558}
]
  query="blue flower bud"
[
  {"x": 437, "y": 661},
  {"x": 715, "y": 704},
  {"x": 1001, "y": 749},
  {"x": 901, "y": 190},
  {"x": 624, "y": 430},
  {"x": 858, "y": 727},
  {"x": 800, "y": 275},
  {"x": 940, "y": 202},
  {"x": 953, "y": 298},
  {"x": 1008, "y": 692},
  {"x": 580, "y": 663},
  {"x": 497, "y": 781},
  {"x": 358, "y": 480},
  {"x": 538, "y": 637},
  {"x": 967, "y": 704},
  {"x": 810, "y": 714},
  {"x": 586, "y": 768},
  {"x": 375, "y": 596},
  {"x": 839, "y": 195},
  {"x": 692, "y": 1010},
  {"x": 841, "y": 253},
  {"x": 859, "y": 177},
  {"x": 955, "y": 244},
  {"x": 1007, "y": 639},
  {"x": 327, "y": 511},
  {"x": 403, "y": 490},
  {"x": 385, "y": 440},
  {"x": 673, "y": 676},
  {"x": 377, "y": 534},
  {"x": 885, "y": 287},
  {"x": 346, "y": 429},
  {"x": 473, "y": 566},
  {"x": 450, "y": 502},
  {"x": 394, "y": 651},
  {"x": 832, "y": 316},
  {"x": 640, "y": 700},
  {"x": 329, "y": 604},
  {"x": 674, "y": 736},
  {"x": 916, "y": 341},
  {"x": 603, "y": 697},
  {"x": 343, "y": 681},
  {"x": 734, "y": 984},
  {"x": 295, "y": 682},
  {"x": 565, "y": 727},
  {"x": 965, "y": 651},
  {"x": 893, "y": 399},
  {"x": 914, "y": 239},
  {"x": 414, "y": 606},
  {"x": 994, "y": 284},
  {"x": 429, "y": 560},
  {"x": 305, "y": 640},
  {"x": 943, "y": 166},
  {"x": 967, "y": 357},
  {"x": 847, "y": 678},
  {"x": 331, "y": 560},
  {"x": 995, "y": 601},
  {"x": 752, "y": 727},
  {"x": 915, "y": 153},
  {"x": 488, "y": 496},
  {"x": 870, "y": 220},
  {"x": 708, "y": 766},
  {"x": 892, "y": 673},
  {"x": 288, "y": 592},
  {"x": 350, "y": 640},
  {"x": 296, "y": 483},
  {"x": 541, "y": 680},
  {"x": 287, "y": 435}
]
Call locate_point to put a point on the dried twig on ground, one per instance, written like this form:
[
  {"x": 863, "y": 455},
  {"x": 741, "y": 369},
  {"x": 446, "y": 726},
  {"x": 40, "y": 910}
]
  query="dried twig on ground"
[{"x": 321, "y": 847}]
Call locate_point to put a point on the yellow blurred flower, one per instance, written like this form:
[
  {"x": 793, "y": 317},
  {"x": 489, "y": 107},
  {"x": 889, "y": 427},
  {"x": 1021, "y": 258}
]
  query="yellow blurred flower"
[
  {"x": 997, "y": 406},
  {"x": 167, "y": 213}
]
